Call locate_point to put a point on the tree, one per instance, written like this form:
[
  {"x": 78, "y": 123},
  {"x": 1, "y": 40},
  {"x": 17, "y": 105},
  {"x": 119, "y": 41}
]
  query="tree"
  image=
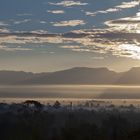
[
  {"x": 34, "y": 104},
  {"x": 57, "y": 105}
]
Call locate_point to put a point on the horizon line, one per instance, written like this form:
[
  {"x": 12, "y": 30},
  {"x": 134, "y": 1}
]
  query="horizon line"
[{"x": 10, "y": 70}]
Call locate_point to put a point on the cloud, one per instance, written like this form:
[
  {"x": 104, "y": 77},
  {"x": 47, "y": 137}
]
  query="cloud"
[
  {"x": 117, "y": 38},
  {"x": 39, "y": 32},
  {"x": 69, "y": 3},
  {"x": 75, "y": 48},
  {"x": 98, "y": 41},
  {"x": 4, "y": 30},
  {"x": 70, "y": 47},
  {"x": 43, "y": 22},
  {"x": 93, "y": 40},
  {"x": 3, "y": 23},
  {"x": 110, "y": 10},
  {"x": 69, "y": 23},
  {"x": 22, "y": 21},
  {"x": 131, "y": 4},
  {"x": 56, "y": 11},
  {"x": 95, "y": 13},
  {"x": 123, "y": 5},
  {"x": 128, "y": 24},
  {"x": 11, "y": 49},
  {"x": 120, "y": 37},
  {"x": 90, "y": 13},
  {"x": 130, "y": 49}
]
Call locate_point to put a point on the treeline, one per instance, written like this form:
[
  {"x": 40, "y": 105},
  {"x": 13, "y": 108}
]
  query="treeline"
[{"x": 69, "y": 125}]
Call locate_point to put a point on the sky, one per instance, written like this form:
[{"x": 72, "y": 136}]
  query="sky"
[{"x": 51, "y": 35}]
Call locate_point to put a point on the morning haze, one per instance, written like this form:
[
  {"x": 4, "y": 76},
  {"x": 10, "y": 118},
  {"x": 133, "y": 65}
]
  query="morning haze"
[
  {"x": 69, "y": 43},
  {"x": 70, "y": 69}
]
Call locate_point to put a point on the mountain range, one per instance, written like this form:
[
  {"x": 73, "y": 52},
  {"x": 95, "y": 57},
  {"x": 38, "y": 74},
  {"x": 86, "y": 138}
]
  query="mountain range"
[{"x": 77, "y": 75}]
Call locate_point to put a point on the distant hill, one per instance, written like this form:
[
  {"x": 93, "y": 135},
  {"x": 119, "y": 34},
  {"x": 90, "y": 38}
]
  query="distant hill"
[
  {"x": 15, "y": 77},
  {"x": 77, "y": 75},
  {"x": 130, "y": 77},
  {"x": 10, "y": 77}
]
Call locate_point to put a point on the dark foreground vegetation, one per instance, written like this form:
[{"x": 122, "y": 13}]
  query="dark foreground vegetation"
[{"x": 30, "y": 121}]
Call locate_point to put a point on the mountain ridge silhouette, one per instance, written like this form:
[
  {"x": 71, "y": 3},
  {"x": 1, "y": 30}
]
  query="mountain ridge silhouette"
[{"x": 76, "y": 75}]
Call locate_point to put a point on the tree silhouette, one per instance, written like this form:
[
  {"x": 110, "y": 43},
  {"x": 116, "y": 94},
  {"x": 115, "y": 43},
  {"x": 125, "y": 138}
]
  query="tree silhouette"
[{"x": 57, "y": 105}]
